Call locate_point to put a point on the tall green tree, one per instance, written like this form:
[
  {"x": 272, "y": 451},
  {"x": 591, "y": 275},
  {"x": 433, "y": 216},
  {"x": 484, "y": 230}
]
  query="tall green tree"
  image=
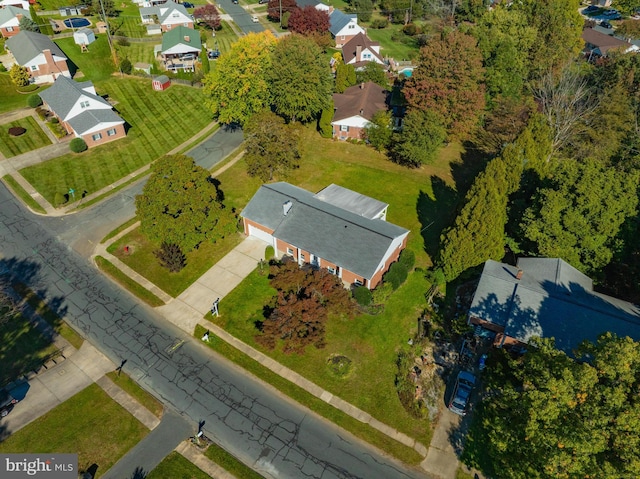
[
  {"x": 559, "y": 33},
  {"x": 379, "y": 130},
  {"x": 373, "y": 72},
  {"x": 28, "y": 25},
  {"x": 421, "y": 136},
  {"x": 449, "y": 81},
  {"x": 345, "y": 77},
  {"x": 505, "y": 37},
  {"x": 578, "y": 215},
  {"x": 364, "y": 9},
  {"x": 300, "y": 81},
  {"x": 238, "y": 86},
  {"x": 552, "y": 417},
  {"x": 272, "y": 147},
  {"x": 181, "y": 205}
]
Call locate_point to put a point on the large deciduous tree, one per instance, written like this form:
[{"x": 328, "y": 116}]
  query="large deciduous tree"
[
  {"x": 379, "y": 130},
  {"x": 272, "y": 147},
  {"x": 208, "y": 14},
  {"x": 421, "y": 136},
  {"x": 448, "y": 80},
  {"x": 578, "y": 214},
  {"x": 180, "y": 205},
  {"x": 238, "y": 88},
  {"x": 302, "y": 306},
  {"x": 549, "y": 416},
  {"x": 19, "y": 75},
  {"x": 300, "y": 80},
  {"x": 308, "y": 20},
  {"x": 275, "y": 6}
]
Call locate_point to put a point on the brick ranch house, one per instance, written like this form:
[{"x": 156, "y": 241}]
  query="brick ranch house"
[
  {"x": 82, "y": 112},
  {"x": 337, "y": 229},
  {"x": 547, "y": 298}
]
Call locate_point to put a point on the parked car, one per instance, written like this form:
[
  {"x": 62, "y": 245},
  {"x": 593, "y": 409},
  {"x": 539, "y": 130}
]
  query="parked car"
[
  {"x": 235, "y": 2},
  {"x": 591, "y": 9},
  {"x": 465, "y": 383},
  {"x": 213, "y": 54},
  {"x": 254, "y": 19},
  {"x": 605, "y": 24},
  {"x": 6, "y": 402},
  {"x": 187, "y": 5},
  {"x": 263, "y": 1}
]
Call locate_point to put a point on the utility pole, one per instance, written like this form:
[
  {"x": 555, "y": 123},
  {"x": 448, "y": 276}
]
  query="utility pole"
[
  {"x": 280, "y": 13},
  {"x": 109, "y": 41}
]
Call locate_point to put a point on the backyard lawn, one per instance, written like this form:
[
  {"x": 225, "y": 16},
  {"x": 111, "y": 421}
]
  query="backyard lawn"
[
  {"x": 32, "y": 139},
  {"x": 89, "y": 423},
  {"x": 10, "y": 99},
  {"x": 405, "y": 49},
  {"x": 159, "y": 121},
  {"x": 96, "y": 64}
]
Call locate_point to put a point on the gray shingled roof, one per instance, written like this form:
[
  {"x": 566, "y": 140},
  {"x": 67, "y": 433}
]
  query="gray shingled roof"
[
  {"x": 170, "y": 8},
  {"x": 25, "y": 46},
  {"x": 351, "y": 241},
  {"x": 89, "y": 119},
  {"x": 350, "y": 200},
  {"x": 307, "y": 3},
  {"x": 338, "y": 20},
  {"x": 552, "y": 299},
  {"x": 10, "y": 12},
  {"x": 64, "y": 94}
]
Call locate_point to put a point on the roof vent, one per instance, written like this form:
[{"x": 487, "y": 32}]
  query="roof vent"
[{"x": 286, "y": 207}]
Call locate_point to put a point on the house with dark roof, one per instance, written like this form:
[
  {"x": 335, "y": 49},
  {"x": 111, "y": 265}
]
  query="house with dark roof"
[
  {"x": 599, "y": 44},
  {"x": 43, "y": 58},
  {"x": 336, "y": 229},
  {"x": 343, "y": 27},
  {"x": 168, "y": 15},
  {"x": 354, "y": 109},
  {"x": 10, "y": 17},
  {"x": 82, "y": 112},
  {"x": 180, "y": 49},
  {"x": 547, "y": 298},
  {"x": 361, "y": 50}
]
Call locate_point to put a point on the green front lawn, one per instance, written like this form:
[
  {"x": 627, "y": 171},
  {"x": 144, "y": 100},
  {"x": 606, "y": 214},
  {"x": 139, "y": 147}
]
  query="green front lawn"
[
  {"x": 175, "y": 466},
  {"x": 159, "y": 122},
  {"x": 10, "y": 99},
  {"x": 141, "y": 258},
  {"x": 224, "y": 38},
  {"x": 96, "y": 64},
  {"x": 32, "y": 139},
  {"x": 90, "y": 424},
  {"x": 229, "y": 463},
  {"x": 405, "y": 49},
  {"x": 145, "y": 399}
]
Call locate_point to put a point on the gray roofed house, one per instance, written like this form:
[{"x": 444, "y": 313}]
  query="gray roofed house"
[
  {"x": 547, "y": 297},
  {"x": 10, "y": 17},
  {"x": 326, "y": 233},
  {"x": 43, "y": 58},
  {"x": 82, "y": 112}
]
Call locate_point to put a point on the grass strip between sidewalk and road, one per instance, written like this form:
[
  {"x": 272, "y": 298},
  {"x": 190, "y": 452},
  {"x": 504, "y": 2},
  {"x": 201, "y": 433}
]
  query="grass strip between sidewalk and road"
[
  {"x": 355, "y": 427},
  {"x": 134, "y": 288},
  {"x": 49, "y": 315},
  {"x": 21, "y": 193},
  {"x": 175, "y": 466},
  {"x": 147, "y": 400},
  {"x": 228, "y": 462}
]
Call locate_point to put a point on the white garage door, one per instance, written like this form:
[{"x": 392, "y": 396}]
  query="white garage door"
[{"x": 260, "y": 234}]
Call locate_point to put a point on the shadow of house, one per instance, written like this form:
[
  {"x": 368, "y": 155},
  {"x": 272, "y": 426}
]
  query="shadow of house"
[{"x": 547, "y": 298}]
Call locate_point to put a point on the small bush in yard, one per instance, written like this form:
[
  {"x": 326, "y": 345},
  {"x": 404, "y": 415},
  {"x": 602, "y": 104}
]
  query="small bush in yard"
[
  {"x": 34, "y": 101},
  {"x": 407, "y": 259},
  {"x": 396, "y": 275},
  {"x": 363, "y": 296},
  {"x": 269, "y": 253},
  {"x": 171, "y": 257},
  {"x": 54, "y": 120},
  {"x": 59, "y": 199},
  {"x": 77, "y": 145}
]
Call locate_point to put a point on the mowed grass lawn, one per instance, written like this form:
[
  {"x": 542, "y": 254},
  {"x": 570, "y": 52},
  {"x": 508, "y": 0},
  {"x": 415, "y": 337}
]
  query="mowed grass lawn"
[
  {"x": 96, "y": 64},
  {"x": 159, "y": 121},
  {"x": 32, "y": 139},
  {"x": 406, "y": 50},
  {"x": 90, "y": 424},
  {"x": 10, "y": 98},
  {"x": 175, "y": 466}
]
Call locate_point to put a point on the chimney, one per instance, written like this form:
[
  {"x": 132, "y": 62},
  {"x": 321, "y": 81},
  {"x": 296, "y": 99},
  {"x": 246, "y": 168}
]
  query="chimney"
[
  {"x": 361, "y": 111},
  {"x": 48, "y": 57},
  {"x": 519, "y": 274},
  {"x": 286, "y": 207},
  {"x": 362, "y": 86},
  {"x": 187, "y": 38},
  {"x": 358, "y": 52}
]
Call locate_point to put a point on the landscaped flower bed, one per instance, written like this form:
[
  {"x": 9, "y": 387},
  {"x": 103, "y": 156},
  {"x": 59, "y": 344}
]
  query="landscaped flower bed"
[{"x": 17, "y": 131}]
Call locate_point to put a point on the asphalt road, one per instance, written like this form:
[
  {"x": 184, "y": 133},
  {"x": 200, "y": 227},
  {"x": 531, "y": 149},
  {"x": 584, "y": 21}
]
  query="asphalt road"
[
  {"x": 217, "y": 147},
  {"x": 240, "y": 16},
  {"x": 255, "y": 423}
]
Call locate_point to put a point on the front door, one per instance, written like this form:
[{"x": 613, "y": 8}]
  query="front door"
[{"x": 315, "y": 261}]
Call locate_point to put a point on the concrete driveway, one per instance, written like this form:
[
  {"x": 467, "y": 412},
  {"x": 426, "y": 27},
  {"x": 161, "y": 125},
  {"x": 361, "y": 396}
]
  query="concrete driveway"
[{"x": 187, "y": 309}]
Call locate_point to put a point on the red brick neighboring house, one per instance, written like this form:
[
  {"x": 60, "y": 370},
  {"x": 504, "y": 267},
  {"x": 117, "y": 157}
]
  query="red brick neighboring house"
[
  {"x": 337, "y": 229},
  {"x": 82, "y": 112},
  {"x": 355, "y": 108},
  {"x": 361, "y": 50},
  {"x": 43, "y": 58},
  {"x": 10, "y": 20}
]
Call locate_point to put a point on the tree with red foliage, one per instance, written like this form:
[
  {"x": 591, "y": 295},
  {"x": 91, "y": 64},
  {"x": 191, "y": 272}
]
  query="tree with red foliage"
[
  {"x": 274, "y": 7},
  {"x": 448, "y": 81},
  {"x": 306, "y": 298},
  {"x": 309, "y": 20},
  {"x": 208, "y": 14}
]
